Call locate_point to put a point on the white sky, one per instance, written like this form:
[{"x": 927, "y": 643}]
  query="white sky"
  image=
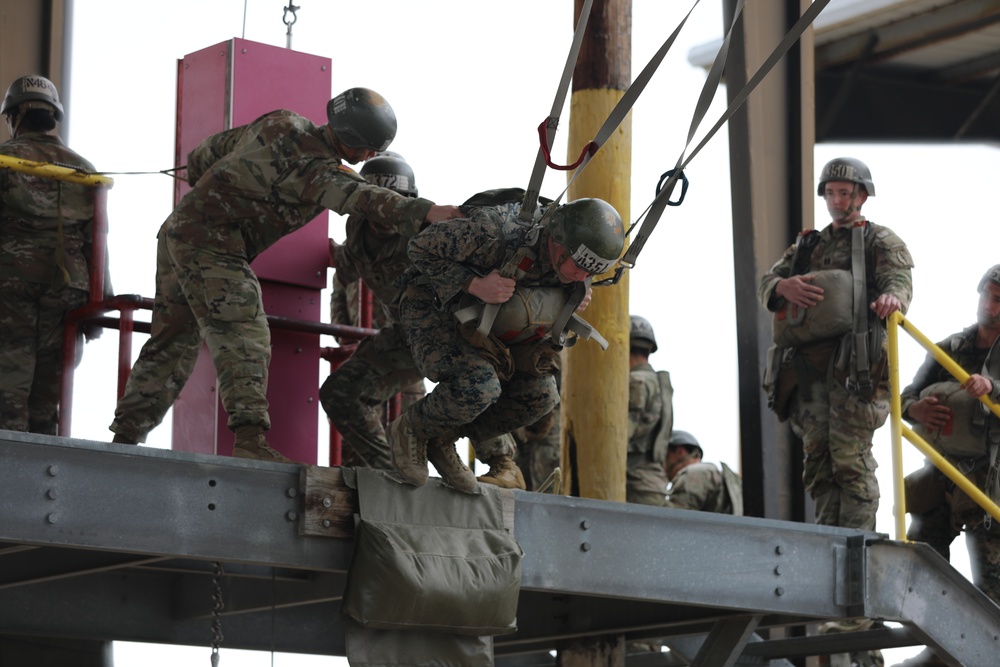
[{"x": 469, "y": 82}]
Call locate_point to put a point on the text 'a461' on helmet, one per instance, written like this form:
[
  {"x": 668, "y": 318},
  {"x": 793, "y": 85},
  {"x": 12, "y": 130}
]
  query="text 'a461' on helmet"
[
  {"x": 641, "y": 331},
  {"x": 361, "y": 118},
  {"x": 32, "y": 89},
  {"x": 592, "y": 231},
  {"x": 389, "y": 170},
  {"x": 847, "y": 169},
  {"x": 991, "y": 276}
]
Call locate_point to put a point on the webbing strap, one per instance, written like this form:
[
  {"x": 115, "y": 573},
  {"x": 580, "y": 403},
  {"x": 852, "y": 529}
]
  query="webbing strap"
[
  {"x": 656, "y": 208},
  {"x": 512, "y": 269},
  {"x": 861, "y": 368},
  {"x": 552, "y": 122},
  {"x": 625, "y": 104}
]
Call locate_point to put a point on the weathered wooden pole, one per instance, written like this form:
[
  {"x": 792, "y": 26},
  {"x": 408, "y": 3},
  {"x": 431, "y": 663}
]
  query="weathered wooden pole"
[{"x": 595, "y": 382}]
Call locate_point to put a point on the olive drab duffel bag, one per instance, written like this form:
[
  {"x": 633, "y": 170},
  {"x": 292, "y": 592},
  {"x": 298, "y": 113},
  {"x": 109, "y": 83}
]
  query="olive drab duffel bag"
[
  {"x": 794, "y": 326},
  {"x": 964, "y": 436}
]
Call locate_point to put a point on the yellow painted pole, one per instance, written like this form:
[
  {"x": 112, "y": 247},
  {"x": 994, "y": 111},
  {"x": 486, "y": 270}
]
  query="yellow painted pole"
[
  {"x": 896, "y": 424},
  {"x": 53, "y": 171},
  {"x": 595, "y": 382}
]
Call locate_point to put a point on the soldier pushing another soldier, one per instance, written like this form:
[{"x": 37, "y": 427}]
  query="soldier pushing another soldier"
[{"x": 251, "y": 186}]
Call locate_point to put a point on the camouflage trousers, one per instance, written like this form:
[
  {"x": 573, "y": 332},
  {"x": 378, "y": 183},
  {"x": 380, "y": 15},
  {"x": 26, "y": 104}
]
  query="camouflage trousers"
[
  {"x": 31, "y": 328},
  {"x": 836, "y": 429},
  {"x": 201, "y": 295},
  {"x": 646, "y": 484},
  {"x": 538, "y": 449},
  {"x": 469, "y": 399},
  {"x": 940, "y": 525},
  {"x": 355, "y": 394}
]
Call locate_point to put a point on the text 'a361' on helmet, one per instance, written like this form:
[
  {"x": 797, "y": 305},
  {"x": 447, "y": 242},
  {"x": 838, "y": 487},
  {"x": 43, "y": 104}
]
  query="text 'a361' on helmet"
[
  {"x": 847, "y": 169},
  {"x": 592, "y": 231},
  {"x": 641, "y": 334},
  {"x": 679, "y": 438},
  {"x": 390, "y": 170},
  {"x": 991, "y": 276},
  {"x": 31, "y": 89},
  {"x": 361, "y": 118}
]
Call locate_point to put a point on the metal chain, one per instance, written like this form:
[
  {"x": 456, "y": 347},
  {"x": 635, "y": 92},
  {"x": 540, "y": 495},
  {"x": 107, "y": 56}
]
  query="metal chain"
[{"x": 217, "y": 606}]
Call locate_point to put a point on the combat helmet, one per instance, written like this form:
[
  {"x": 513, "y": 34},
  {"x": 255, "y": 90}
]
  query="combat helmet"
[
  {"x": 592, "y": 231},
  {"x": 991, "y": 276},
  {"x": 641, "y": 333},
  {"x": 390, "y": 170},
  {"x": 847, "y": 169},
  {"x": 361, "y": 118},
  {"x": 32, "y": 92},
  {"x": 685, "y": 439}
]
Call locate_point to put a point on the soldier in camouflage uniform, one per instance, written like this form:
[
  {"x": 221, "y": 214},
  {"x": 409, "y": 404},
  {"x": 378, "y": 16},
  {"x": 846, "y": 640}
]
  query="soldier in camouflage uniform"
[
  {"x": 355, "y": 393},
  {"x": 481, "y": 390},
  {"x": 834, "y": 416},
  {"x": 977, "y": 351},
  {"x": 251, "y": 186},
  {"x": 650, "y": 419},
  {"x": 694, "y": 484},
  {"x": 46, "y": 235}
]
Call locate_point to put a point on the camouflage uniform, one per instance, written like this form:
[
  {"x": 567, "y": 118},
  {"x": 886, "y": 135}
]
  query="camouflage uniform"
[
  {"x": 836, "y": 424},
  {"x": 645, "y": 478},
  {"x": 252, "y": 185},
  {"x": 538, "y": 447},
  {"x": 46, "y": 232},
  {"x": 699, "y": 486},
  {"x": 940, "y": 525},
  {"x": 470, "y": 399},
  {"x": 381, "y": 366}
]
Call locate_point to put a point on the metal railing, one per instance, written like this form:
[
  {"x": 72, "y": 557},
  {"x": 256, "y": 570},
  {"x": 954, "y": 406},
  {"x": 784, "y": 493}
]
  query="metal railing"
[{"x": 899, "y": 429}]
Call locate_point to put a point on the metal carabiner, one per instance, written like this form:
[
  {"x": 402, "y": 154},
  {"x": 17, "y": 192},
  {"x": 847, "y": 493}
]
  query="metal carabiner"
[{"x": 684, "y": 187}]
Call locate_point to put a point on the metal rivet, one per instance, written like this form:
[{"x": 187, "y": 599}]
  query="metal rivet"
[
  {"x": 779, "y": 591},
  {"x": 291, "y": 492},
  {"x": 291, "y": 516},
  {"x": 52, "y": 518},
  {"x": 327, "y": 502},
  {"x": 585, "y": 546},
  {"x": 778, "y": 550},
  {"x": 244, "y": 50},
  {"x": 309, "y": 400},
  {"x": 585, "y": 524},
  {"x": 52, "y": 493},
  {"x": 53, "y": 470},
  {"x": 322, "y": 68},
  {"x": 777, "y": 570},
  {"x": 327, "y": 523}
]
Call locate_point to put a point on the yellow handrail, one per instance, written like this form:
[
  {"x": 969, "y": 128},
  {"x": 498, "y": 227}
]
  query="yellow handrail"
[
  {"x": 899, "y": 429},
  {"x": 54, "y": 171}
]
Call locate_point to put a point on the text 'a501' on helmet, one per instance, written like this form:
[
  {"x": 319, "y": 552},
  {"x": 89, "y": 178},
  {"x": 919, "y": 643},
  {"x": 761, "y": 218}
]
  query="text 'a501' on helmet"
[
  {"x": 32, "y": 89},
  {"x": 361, "y": 118},
  {"x": 847, "y": 169},
  {"x": 592, "y": 231},
  {"x": 991, "y": 276},
  {"x": 641, "y": 331},
  {"x": 390, "y": 170}
]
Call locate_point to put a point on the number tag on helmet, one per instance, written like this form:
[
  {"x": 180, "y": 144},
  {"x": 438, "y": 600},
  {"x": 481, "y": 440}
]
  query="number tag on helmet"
[{"x": 589, "y": 261}]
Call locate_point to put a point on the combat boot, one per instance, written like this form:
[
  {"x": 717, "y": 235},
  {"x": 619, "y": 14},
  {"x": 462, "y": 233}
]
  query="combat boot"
[
  {"x": 444, "y": 457},
  {"x": 408, "y": 454},
  {"x": 503, "y": 473},
  {"x": 251, "y": 444},
  {"x": 124, "y": 440}
]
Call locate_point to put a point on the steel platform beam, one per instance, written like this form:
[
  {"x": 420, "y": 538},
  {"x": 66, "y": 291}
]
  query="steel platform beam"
[{"x": 103, "y": 541}]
